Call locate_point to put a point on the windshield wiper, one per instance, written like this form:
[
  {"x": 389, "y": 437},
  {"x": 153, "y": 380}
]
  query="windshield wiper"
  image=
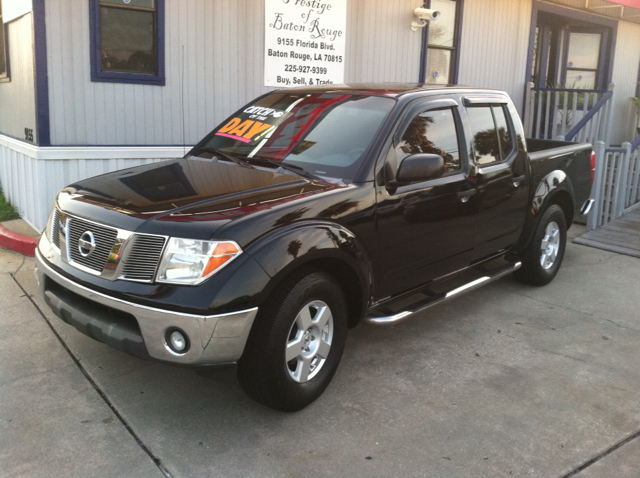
[
  {"x": 219, "y": 152},
  {"x": 247, "y": 162},
  {"x": 289, "y": 167}
]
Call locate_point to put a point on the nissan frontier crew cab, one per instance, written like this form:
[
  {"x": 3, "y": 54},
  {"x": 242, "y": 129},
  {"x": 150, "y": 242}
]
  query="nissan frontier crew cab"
[{"x": 304, "y": 213}]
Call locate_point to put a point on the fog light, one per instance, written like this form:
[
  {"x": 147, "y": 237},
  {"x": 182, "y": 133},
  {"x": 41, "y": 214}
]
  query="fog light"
[{"x": 177, "y": 341}]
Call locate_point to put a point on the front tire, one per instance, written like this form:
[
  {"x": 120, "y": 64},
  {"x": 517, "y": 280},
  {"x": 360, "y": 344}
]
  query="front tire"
[
  {"x": 296, "y": 342},
  {"x": 543, "y": 256}
]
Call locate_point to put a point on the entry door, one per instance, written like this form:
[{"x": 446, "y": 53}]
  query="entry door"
[
  {"x": 569, "y": 54},
  {"x": 426, "y": 229}
]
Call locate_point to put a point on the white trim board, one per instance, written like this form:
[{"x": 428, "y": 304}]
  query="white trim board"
[{"x": 93, "y": 152}]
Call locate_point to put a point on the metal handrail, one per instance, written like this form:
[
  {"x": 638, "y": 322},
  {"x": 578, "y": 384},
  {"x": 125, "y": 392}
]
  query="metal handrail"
[
  {"x": 548, "y": 112},
  {"x": 592, "y": 112}
]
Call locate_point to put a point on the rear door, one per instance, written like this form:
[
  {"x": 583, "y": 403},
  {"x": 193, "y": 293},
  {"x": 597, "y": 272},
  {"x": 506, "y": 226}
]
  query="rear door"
[
  {"x": 499, "y": 169},
  {"x": 425, "y": 229}
]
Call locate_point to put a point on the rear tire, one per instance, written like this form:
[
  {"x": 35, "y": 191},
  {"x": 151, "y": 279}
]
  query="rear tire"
[
  {"x": 296, "y": 342},
  {"x": 543, "y": 256}
]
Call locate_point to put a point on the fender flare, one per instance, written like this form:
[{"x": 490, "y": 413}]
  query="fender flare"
[
  {"x": 554, "y": 188},
  {"x": 319, "y": 244}
]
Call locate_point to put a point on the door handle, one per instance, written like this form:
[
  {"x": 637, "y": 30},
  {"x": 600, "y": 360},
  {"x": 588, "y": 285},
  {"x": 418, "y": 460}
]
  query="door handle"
[
  {"x": 516, "y": 180},
  {"x": 465, "y": 195}
]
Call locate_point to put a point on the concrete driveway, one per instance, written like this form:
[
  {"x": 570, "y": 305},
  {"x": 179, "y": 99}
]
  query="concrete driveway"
[{"x": 508, "y": 380}]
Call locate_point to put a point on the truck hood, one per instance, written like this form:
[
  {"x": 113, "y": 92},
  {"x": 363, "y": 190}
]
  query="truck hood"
[{"x": 187, "y": 197}]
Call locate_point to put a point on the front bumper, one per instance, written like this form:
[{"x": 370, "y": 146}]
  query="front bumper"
[{"x": 140, "y": 330}]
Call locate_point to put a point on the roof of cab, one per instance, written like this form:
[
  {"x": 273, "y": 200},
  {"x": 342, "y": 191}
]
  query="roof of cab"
[{"x": 387, "y": 89}]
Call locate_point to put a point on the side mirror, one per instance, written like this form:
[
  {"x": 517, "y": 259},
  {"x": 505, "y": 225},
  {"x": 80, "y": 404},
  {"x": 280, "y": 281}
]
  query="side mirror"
[{"x": 419, "y": 167}]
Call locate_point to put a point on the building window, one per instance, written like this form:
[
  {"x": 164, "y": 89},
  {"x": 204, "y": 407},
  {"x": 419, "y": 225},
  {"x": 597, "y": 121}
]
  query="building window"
[
  {"x": 440, "y": 51},
  {"x": 4, "y": 64},
  {"x": 127, "y": 39},
  {"x": 583, "y": 58}
]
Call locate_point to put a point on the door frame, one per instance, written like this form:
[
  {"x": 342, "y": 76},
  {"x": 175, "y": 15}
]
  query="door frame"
[{"x": 607, "y": 49}]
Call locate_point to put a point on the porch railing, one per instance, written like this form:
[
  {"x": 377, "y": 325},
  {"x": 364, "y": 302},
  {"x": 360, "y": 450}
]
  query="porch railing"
[
  {"x": 617, "y": 182},
  {"x": 568, "y": 114}
]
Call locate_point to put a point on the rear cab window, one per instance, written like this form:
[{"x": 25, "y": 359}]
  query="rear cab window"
[{"x": 493, "y": 136}]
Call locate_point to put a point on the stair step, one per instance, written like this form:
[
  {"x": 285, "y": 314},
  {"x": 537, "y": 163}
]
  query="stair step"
[{"x": 401, "y": 308}]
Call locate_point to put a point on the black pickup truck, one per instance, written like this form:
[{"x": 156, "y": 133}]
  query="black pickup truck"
[{"x": 306, "y": 212}]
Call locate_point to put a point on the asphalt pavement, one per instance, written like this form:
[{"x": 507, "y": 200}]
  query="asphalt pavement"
[{"x": 508, "y": 380}]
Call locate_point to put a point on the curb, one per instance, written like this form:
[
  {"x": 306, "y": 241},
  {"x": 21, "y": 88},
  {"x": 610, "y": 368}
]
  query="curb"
[{"x": 17, "y": 242}]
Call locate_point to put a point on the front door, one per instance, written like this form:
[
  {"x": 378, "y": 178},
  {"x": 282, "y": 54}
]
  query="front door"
[
  {"x": 569, "y": 54},
  {"x": 426, "y": 229}
]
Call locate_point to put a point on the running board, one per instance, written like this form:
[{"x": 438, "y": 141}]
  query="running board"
[{"x": 439, "y": 292}]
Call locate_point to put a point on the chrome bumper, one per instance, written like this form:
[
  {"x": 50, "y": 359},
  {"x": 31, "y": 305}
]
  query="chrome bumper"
[{"x": 214, "y": 339}]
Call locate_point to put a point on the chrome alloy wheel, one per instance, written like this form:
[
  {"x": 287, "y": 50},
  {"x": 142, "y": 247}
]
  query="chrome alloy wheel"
[
  {"x": 309, "y": 341},
  {"x": 550, "y": 245}
]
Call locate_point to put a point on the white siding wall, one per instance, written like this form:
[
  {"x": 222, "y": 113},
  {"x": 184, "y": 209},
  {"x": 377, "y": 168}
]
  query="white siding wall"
[
  {"x": 222, "y": 55},
  {"x": 223, "y": 68},
  {"x": 380, "y": 44},
  {"x": 625, "y": 75},
  {"x": 32, "y": 184},
  {"x": 495, "y": 41},
  {"x": 17, "y": 97}
]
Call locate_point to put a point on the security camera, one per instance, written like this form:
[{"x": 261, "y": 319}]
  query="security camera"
[{"x": 426, "y": 14}]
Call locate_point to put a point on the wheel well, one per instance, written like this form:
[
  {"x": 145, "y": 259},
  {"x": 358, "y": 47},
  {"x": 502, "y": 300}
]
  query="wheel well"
[
  {"x": 349, "y": 282},
  {"x": 564, "y": 200}
]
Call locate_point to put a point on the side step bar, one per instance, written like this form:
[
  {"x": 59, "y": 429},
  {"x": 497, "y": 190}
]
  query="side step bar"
[{"x": 428, "y": 297}]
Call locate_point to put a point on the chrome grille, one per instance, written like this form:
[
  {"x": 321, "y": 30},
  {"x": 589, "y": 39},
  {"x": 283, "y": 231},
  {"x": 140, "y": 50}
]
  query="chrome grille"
[
  {"x": 104, "y": 237},
  {"x": 55, "y": 228},
  {"x": 142, "y": 259}
]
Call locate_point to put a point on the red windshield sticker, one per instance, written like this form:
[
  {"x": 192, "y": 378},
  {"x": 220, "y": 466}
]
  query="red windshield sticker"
[{"x": 302, "y": 119}]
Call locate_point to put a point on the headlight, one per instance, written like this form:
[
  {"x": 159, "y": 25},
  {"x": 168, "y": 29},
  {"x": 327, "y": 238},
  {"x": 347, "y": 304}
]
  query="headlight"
[{"x": 190, "y": 261}]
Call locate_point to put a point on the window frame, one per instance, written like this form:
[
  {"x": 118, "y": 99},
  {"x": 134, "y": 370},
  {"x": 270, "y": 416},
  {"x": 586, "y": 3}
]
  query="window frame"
[
  {"x": 504, "y": 157},
  {"x": 455, "y": 50},
  {"x": 416, "y": 108},
  {"x": 456, "y": 124},
  {"x": 599, "y": 81},
  {"x": 6, "y": 76},
  {"x": 124, "y": 77}
]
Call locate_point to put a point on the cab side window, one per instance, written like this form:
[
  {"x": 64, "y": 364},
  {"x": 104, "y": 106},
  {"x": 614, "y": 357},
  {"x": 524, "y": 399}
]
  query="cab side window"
[
  {"x": 434, "y": 132},
  {"x": 492, "y": 136}
]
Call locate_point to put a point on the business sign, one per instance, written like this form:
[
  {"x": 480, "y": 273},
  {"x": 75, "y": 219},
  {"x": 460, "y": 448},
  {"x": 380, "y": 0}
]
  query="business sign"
[{"x": 304, "y": 42}]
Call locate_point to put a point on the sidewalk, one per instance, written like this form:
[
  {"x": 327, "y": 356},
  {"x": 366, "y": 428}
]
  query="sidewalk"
[
  {"x": 53, "y": 422},
  {"x": 508, "y": 380}
]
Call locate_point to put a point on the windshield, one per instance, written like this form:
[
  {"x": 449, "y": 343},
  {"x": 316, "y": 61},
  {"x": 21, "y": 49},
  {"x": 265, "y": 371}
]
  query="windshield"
[{"x": 324, "y": 134}]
